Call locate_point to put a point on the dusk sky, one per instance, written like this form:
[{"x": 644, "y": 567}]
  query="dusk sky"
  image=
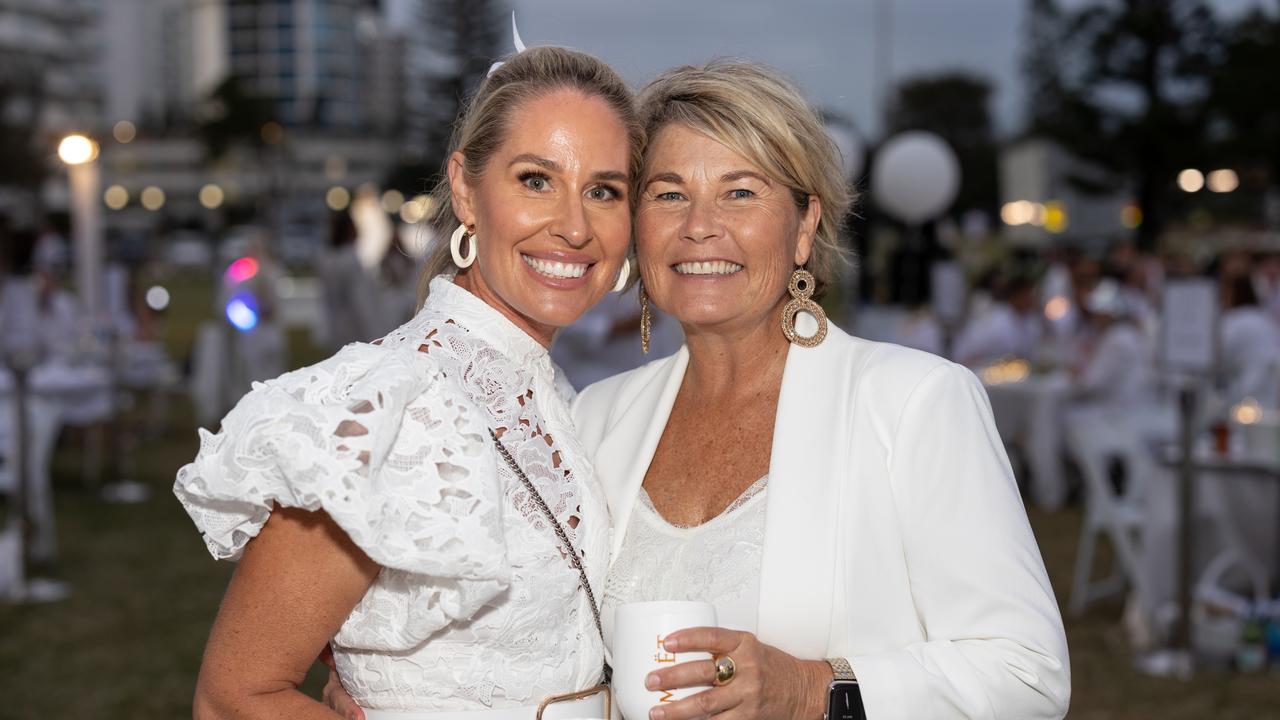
[{"x": 827, "y": 46}]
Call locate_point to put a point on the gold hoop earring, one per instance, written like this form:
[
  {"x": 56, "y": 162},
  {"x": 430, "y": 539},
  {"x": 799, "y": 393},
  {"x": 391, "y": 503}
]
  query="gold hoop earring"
[
  {"x": 801, "y": 288},
  {"x": 646, "y": 321}
]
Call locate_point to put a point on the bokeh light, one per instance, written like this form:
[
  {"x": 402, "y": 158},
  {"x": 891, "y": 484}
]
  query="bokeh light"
[
  {"x": 1007, "y": 371},
  {"x": 157, "y": 298},
  {"x": 1131, "y": 216},
  {"x": 1055, "y": 217},
  {"x": 1223, "y": 181},
  {"x": 211, "y": 196},
  {"x": 152, "y": 198},
  {"x": 77, "y": 150},
  {"x": 1190, "y": 180},
  {"x": 337, "y": 198},
  {"x": 124, "y": 132},
  {"x": 1247, "y": 412},
  {"x": 116, "y": 197},
  {"x": 1057, "y": 308},
  {"x": 241, "y": 270},
  {"x": 242, "y": 312},
  {"x": 392, "y": 201}
]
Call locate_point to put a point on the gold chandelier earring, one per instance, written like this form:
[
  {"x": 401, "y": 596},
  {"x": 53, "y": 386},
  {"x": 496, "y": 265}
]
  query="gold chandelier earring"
[
  {"x": 646, "y": 321},
  {"x": 801, "y": 288}
]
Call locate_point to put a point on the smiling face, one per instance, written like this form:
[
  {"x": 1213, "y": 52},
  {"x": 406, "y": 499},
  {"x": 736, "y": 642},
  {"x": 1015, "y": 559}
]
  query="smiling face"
[
  {"x": 717, "y": 240},
  {"x": 550, "y": 212}
]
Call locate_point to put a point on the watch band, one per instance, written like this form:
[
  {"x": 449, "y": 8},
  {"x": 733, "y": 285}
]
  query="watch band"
[{"x": 841, "y": 670}]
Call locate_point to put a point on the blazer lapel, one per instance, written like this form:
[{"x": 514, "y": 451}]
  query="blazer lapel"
[
  {"x": 797, "y": 574},
  {"x": 626, "y": 451}
]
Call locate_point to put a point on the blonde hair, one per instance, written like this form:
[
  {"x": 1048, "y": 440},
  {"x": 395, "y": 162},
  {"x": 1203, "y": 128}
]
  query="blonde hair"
[
  {"x": 482, "y": 127},
  {"x": 762, "y": 117}
]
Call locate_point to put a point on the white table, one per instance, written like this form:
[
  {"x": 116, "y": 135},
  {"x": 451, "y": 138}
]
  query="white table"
[
  {"x": 1030, "y": 414},
  {"x": 1236, "y": 507},
  {"x": 57, "y": 395}
]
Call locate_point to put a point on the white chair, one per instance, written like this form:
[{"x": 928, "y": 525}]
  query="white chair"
[{"x": 1096, "y": 437}]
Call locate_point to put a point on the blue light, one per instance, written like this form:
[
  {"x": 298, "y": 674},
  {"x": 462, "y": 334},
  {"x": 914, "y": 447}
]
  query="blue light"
[{"x": 242, "y": 312}]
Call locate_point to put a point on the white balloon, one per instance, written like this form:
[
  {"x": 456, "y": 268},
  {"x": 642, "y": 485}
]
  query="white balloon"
[
  {"x": 849, "y": 143},
  {"x": 915, "y": 176}
]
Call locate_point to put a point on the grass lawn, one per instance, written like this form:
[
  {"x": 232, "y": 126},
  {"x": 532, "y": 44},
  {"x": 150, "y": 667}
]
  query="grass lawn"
[{"x": 127, "y": 644}]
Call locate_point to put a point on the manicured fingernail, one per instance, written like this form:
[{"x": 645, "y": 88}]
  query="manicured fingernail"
[
  {"x": 651, "y": 681},
  {"x": 671, "y": 644},
  {"x": 657, "y": 714}
]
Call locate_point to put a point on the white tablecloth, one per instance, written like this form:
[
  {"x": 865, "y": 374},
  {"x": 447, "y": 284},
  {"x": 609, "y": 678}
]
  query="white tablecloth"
[
  {"x": 1030, "y": 415},
  {"x": 1231, "y": 511},
  {"x": 56, "y": 395}
]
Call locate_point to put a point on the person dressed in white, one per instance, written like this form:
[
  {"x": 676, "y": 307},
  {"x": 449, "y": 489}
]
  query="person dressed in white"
[
  {"x": 350, "y": 293},
  {"x": 1250, "y": 345},
  {"x": 834, "y": 498},
  {"x": 846, "y": 505},
  {"x": 1010, "y": 328},
  {"x": 421, "y": 503},
  {"x": 1116, "y": 371}
]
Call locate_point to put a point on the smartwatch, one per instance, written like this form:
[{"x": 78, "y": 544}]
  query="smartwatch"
[{"x": 844, "y": 696}]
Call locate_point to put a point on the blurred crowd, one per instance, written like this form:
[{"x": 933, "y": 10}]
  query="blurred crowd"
[{"x": 1067, "y": 342}]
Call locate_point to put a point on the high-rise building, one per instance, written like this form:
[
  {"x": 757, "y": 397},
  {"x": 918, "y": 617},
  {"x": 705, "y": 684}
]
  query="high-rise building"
[
  {"x": 48, "y": 54},
  {"x": 323, "y": 64},
  {"x": 306, "y": 56}
]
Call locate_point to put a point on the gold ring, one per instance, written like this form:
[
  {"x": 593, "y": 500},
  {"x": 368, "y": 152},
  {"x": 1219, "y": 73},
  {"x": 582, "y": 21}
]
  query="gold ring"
[{"x": 725, "y": 670}]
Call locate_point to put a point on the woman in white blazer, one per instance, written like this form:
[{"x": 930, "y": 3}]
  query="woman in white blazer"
[{"x": 863, "y": 483}]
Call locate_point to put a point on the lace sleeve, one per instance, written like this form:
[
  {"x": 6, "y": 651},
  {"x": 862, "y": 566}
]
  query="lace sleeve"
[{"x": 375, "y": 438}]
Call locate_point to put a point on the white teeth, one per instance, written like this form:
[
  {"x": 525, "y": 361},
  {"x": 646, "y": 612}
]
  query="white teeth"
[
  {"x": 714, "y": 267},
  {"x": 554, "y": 269}
]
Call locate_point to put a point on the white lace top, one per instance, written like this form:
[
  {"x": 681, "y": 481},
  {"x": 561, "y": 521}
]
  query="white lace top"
[
  {"x": 476, "y": 606},
  {"x": 716, "y": 562}
]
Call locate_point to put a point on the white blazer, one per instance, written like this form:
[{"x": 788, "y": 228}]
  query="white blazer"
[{"x": 894, "y": 532}]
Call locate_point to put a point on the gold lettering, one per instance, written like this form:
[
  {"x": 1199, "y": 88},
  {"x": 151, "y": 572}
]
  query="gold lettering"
[
  {"x": 667, "y": 696},
  {"x": 663, "y": 656}
]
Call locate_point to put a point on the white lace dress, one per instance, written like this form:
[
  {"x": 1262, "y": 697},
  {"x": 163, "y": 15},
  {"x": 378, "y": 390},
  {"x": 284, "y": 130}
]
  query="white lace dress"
[
  {"x": 716, "y": 562},
  {"x": 476, "y": 606}
]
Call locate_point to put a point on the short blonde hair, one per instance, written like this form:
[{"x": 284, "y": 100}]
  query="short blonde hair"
[
  {"x": 762, "y": 117},
  {"x": 482, "y": 127}
]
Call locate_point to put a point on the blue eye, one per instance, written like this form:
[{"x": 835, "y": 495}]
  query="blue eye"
[
  {"x": 535, "y": 181},
  {"x": 741, "y": 194},
  {"x": 668, "y": 196}
]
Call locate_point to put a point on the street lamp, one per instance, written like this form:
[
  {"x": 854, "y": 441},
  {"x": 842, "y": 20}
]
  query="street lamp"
[{"x": 79, "y": 153}]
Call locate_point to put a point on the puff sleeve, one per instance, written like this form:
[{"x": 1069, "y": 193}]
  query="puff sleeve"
[{"x": 386, "y": 445}]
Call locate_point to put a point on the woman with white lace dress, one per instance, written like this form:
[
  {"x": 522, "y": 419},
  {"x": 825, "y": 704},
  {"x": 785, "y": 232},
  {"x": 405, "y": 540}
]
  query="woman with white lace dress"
[{"x": 421, "y": 502}]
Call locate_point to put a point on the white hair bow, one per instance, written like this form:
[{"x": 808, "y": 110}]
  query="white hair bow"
[{"x": 515, "y": 36}]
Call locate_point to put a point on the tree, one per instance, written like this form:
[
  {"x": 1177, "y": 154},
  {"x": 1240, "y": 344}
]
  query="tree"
[
  {"x": 22, "y": 100},
  {"x": 1125, "y": 83},
  {"x": 1244, "y": 105},
  {"x": 469, "y": 35},
  {"x": 955, "y": 106},
  {"x": 230, "y": 116}
]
